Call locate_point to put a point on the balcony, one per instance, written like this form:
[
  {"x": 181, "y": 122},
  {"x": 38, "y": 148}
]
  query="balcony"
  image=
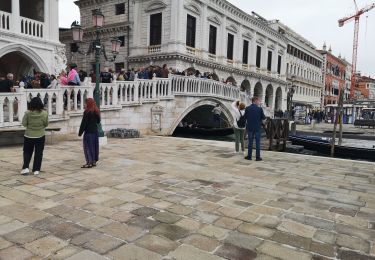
[
  {"x": 31, "y": 27},
  {"x": 154, "y": 49},
  {"x": 5, "y": 21},
  {"x": 230, "y": 62},
  {"x": 191, "y": 50}
]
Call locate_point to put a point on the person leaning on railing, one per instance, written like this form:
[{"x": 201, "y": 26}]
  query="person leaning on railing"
[{"x": 6, "y": 85}]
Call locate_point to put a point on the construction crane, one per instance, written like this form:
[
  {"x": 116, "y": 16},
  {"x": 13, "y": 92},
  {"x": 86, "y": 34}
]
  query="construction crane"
[{"x": 342, "y": 21}]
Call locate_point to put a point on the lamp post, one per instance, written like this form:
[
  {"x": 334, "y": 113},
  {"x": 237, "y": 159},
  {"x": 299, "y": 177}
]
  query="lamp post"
[
  {"x": 291, "y": 91},
  {"x": 96, "y": 46}
]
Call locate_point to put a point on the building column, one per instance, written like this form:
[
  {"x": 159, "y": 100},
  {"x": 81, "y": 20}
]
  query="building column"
[
  {"x": 47, "y": 22},
  {"x": 136, "y": 31},
  {"x": 204, "y": 35},
  {"x": 238, "y": 48},
  {"x": 253, "y": 52},
  {"x": 222, "y": 54},
  {"x": 264, "y": 59},
  {"x": 275, "y": 58},
  {"x": 16, "y": 20}
]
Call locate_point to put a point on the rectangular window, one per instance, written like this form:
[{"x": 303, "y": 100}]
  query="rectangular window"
[
  {"x": 190, "y": 31},
  {"x": 230, "y": 44},
  {"x": 245, "y": 52},
  {"x": 212, "y": 40},
  {"x": 259, "y": 56},
  {"x": 120, "y": 8},
  {"x": 122, "y": 39},
  {"x": 6, "y": 6},
  {"x": 269, "y": 61},
  {"x": 279, "y": 65},
  {"x": 155, "y": 29}
]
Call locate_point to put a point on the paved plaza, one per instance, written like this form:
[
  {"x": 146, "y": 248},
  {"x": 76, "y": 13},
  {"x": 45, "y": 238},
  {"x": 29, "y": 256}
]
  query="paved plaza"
[{"x": 168, "y": 198}]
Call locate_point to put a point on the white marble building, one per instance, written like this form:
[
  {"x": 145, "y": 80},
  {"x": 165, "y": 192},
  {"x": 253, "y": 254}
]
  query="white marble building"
[
  {"x": 30, "y": 37},
  {"x": 209, "y": 36},
  {"x": 304, "y": 70}
]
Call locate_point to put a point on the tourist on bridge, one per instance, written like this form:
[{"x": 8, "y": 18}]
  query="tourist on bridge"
[
  {"x": 35, "y": 120},
  {"x": 73, "y": 77},
  {"x": 254, "y": 118},
  {"x": 89, "y": 127},
  {"x": 6, "y": 85},
  {"x": 239, "y": 125},
  {"x": 106, "y": 76}
]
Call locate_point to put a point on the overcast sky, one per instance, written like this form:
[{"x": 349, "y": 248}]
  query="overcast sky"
[{"x": 315, "y": 20}]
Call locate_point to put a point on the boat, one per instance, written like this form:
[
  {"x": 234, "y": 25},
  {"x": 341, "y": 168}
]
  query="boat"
[
  {"x": 202, "y": 131},
  {"x": 323, "y": 146}
]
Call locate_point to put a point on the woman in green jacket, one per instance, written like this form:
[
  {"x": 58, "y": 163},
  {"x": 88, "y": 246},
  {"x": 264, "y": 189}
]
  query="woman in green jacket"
[{"x": 35, "y": 120}]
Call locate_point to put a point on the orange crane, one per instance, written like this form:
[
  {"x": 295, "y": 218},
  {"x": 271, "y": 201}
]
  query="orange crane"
[{"x": 342, "y": 21}]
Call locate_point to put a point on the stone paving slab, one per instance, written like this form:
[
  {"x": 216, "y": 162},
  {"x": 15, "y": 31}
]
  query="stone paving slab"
[{"x": 176, "y": 199}]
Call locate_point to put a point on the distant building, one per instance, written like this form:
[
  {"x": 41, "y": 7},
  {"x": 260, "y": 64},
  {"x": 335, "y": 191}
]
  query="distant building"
[
  {"x": 334, "y": 71},
  {"x": 304, "y": 71},
  {"x": 30, "y": 38},
  {"x": 197, "y": 35},
  {"x": 365, "y": 87}
]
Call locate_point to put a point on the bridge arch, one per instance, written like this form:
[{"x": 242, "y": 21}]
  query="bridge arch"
[
  {"x": 200, "y": 103},
  {"x": 20, "y": 59}
]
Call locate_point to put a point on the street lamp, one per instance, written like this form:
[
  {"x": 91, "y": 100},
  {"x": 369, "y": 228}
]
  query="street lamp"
[
  {"x": 98, "y": 48},
  {"x": 291, "y": 91}
]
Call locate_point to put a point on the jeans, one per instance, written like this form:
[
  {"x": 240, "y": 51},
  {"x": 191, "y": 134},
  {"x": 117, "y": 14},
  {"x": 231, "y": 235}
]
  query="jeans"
[
  {"x": 251, "y": 135},
  {"x": 28, "y": 148},
  {"x": 239, "y": 135}
]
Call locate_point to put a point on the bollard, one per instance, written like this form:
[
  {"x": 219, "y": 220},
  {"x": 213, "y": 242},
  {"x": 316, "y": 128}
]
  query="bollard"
[{"x": 313, "y": 122}]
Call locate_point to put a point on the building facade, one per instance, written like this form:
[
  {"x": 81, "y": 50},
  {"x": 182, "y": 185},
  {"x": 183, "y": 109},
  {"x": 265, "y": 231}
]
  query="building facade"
[
  {"x": 209, "y": 36},
  {"x": 116, "y": 25},
  {"x": 303, "y": 71},
  {"x": 30, "y": 38},
  {"x": 334, "y": 71},
  {"x": 365, "y": 87}
]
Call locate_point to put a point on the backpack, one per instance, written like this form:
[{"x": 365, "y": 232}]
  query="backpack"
[{"x": 241, "y": 123}]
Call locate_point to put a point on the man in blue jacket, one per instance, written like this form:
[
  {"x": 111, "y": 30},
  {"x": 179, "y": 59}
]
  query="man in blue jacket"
[{"x": 254, "y": 116}]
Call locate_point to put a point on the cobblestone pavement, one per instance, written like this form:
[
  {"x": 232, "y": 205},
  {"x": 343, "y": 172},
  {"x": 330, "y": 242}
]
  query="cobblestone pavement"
[{"x": 168, "y": 198}]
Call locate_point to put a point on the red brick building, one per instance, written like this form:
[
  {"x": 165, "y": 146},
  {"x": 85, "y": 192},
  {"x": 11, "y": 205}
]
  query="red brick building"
[
  {"x": 364, "y": 87},
  {"x": 334, "y": 71}
]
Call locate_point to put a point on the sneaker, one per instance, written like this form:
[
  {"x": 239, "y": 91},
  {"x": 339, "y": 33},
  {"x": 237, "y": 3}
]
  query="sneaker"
[
  {"x": 36, "y": 173},
  {"x": 25, "y": 171},
  {"x": 247, "y": 158}
]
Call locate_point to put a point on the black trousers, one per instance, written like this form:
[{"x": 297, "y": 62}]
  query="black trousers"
[{"x": 29, "y": 145}]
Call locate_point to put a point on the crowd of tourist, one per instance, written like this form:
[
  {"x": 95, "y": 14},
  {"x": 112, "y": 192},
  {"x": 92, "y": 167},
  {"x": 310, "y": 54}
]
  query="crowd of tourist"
[{"x": 73, "y": 77}]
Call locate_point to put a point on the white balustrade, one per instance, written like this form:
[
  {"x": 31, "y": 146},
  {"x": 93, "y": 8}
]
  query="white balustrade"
[
  {"x": 154, "y": 49},
  {"x": 5, "y": 20},
  {"x": 64, "y": 101},
  {"x": 32, "y": 27}
]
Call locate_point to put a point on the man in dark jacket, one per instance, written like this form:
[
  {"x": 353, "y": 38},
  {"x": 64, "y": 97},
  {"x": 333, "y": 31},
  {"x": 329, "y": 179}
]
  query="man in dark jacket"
[{"x": 254, "y": 116}]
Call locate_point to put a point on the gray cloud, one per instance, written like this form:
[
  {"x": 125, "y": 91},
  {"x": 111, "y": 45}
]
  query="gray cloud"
[{"x": 315, "y": 20}]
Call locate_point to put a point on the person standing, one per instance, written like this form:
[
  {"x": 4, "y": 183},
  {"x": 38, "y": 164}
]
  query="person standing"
[
  {"x": 217, "y": 116},
  {"x": 254, "y": 116},
  {"x": 239, "y": 125},
  {"x": 73, "y": 77},
  {"x": 89, "y": 127},
  {"x": 6, "y": 85},
  {"x": 35, "y": 120}
]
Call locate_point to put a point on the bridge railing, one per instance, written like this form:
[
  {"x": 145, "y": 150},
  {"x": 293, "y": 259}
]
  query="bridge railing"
[
  {"x": 63, "y": 101},
  {"x": 192, "y": 86}
]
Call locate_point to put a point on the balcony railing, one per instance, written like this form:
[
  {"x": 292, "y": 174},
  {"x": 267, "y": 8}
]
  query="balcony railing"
[
  {"x": 154, "y": 49},
  {"x": 4, "y": 20},
  {"x": 32, "y": 27},
  {"x": 191, "y": 50},
  {"x": 212, "y": 57}
]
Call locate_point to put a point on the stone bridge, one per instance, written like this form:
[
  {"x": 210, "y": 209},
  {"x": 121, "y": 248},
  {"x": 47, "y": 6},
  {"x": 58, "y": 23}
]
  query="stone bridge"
[{"x": 153, "y": 106}]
